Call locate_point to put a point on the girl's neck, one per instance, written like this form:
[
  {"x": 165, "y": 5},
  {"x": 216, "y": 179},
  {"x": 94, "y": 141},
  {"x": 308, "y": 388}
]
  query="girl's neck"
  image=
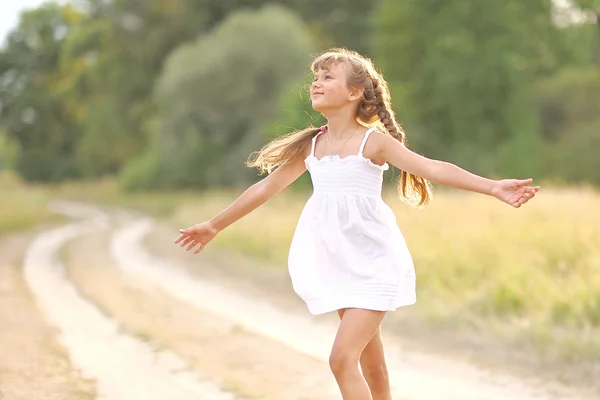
[{"x": 340, "y": 127}]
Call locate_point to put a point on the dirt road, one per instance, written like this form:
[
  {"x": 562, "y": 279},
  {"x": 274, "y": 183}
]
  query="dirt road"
[
  {"x": 150, "y": 324},
  {"x": 33, "y": 364}
]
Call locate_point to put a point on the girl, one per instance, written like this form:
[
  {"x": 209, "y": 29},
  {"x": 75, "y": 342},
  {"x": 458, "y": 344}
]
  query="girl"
[{"x": 347, "y": 254}]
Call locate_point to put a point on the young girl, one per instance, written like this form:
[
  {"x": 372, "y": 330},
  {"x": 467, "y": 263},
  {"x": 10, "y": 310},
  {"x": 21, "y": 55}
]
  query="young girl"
[{"x": 347, "y": 254}]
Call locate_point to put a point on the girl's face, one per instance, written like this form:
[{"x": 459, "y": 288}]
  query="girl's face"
[{"x": 329, "y": 90}]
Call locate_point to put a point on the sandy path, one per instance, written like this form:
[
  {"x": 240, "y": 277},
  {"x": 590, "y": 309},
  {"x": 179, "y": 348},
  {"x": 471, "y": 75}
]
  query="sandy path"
[
  {"x": 124, "y": 367},
  {"x": 249, "y": 365},
  {"x": 33, "y": 365}
]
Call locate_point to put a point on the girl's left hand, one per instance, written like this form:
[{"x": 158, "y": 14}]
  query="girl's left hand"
[{"x": 514, "y": 192}]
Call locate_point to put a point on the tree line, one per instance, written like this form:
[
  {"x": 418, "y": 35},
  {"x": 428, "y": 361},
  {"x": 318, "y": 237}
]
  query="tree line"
[{"x": 177, "y": 94}]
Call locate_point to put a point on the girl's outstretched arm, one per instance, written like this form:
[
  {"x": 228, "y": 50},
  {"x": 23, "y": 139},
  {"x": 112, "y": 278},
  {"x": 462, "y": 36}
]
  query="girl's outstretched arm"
[
  {"x": 255, "y": 196},
  {"x": 511, "y": 191}
]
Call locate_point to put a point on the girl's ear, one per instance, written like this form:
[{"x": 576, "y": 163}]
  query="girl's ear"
[{"x": 356, "y": 93}]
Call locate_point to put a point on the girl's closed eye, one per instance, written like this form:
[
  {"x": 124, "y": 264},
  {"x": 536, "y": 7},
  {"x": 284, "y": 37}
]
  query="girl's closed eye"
[{"x": 328, "y": 76}]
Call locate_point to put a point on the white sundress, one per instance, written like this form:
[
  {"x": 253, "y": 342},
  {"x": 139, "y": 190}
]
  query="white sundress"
[{"x": 347, "y": 250}]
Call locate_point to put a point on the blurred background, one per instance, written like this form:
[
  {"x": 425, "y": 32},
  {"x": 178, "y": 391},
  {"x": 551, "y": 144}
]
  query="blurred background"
[
  {"x": 155, "y": 105},
  {"x": 176, "y": 95}
]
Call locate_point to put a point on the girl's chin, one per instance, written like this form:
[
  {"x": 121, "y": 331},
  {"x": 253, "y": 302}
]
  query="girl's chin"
[{"x": 318, "y": 106}]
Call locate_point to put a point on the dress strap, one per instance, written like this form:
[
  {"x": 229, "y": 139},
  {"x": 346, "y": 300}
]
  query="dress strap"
[
  {"x": 314, "y": 142},
  {"x": 364, "y": 142}
]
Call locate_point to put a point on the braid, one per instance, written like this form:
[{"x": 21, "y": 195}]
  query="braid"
[
  {"x": 411, "y": 187},
  {"x": 384, "y": 111}
]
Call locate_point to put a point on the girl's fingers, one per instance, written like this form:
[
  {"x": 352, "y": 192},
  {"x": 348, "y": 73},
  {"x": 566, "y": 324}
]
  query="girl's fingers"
[
  {"x": 524, "y": 182},
  {"x": 186, "y": 241},
  {"x": 191, "y": 246},
  {"x": 202, "y": 246},
  {"x": 180, "y": 238}
]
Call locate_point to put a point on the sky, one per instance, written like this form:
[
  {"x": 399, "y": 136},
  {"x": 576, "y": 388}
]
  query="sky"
[{"x": 9, "y": 14}]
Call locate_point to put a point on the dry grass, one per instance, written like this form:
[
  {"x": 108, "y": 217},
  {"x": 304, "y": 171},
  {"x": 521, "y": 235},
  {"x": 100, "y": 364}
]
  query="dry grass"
[
  {"x": 21, "y": 207},
  {"x": 533, "y": 273}
]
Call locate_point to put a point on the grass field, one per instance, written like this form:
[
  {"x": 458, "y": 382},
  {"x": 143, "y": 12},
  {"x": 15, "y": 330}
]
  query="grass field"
[
  {"x": 22, "y": 207},
  {"x": 533, "y": 273}
]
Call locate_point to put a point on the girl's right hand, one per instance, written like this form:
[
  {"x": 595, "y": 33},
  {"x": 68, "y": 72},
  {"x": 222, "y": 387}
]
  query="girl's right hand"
[{"x": 199, "y": 234}]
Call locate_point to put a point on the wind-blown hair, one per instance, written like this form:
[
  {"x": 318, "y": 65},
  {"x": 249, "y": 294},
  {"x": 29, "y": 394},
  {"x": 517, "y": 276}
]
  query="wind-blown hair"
[{"x": 374, "y": 109}]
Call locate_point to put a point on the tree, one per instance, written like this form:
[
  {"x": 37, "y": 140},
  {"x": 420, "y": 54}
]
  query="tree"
[
  {"x": 122, "y": 46},
  {"x": 345, "y": 23},
  {"x": 570, "y": 103},
  {"x": 462, "y": 74},
  {"x": 215, "y": 95},
  {"x": 32, "y": 110},
  {"x": 591, "y": 10}
]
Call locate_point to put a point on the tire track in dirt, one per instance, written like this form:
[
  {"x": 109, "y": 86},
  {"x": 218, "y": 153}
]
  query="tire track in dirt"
[
  {"x": 124, "y": 368},
  {"x": 33, "y": 364},
  {"x": 414, "y": 375},
  {"x": 249, "y": 365}
]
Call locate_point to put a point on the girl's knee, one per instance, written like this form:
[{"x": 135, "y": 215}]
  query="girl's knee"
[{"x": 341, "y": 361}]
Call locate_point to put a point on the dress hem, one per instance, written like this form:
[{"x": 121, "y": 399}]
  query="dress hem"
[{"x": 323, "y": 306}]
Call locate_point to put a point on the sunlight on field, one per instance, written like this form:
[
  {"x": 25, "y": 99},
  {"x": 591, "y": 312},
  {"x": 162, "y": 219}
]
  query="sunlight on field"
[
  {"x": 530, "y": 269},
  {"x": 21, "y": 207},
  {"x": 533, "y": 270},
  {"x": 530, "y": 274},
  {"x": 106, "y": 192}
]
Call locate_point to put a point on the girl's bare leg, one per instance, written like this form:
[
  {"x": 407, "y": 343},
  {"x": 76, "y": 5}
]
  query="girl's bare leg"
[
  {"x": 374, "y": 368},
  {"x": 356, "y": 330}
]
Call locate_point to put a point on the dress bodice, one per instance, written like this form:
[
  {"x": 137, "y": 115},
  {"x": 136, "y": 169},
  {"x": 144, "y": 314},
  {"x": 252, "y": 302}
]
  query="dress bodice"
[{"x": 352, "y": 175}]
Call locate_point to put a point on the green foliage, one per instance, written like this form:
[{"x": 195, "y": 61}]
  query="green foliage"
[
  {"x": 216, "y": 93},
  {"x": 570, "y": 107},
  {"x": 464, "y": 74},
  {"x": 344, "y": 23},
  {"x": 32, "y": 109},
  {"x": 473, "y": 82},
  {"x": 143, "y": 172},
  {"x": 330, "y": 23},
  {"x": 122, "y": 46},
  {"x": 9, "y": 151}
]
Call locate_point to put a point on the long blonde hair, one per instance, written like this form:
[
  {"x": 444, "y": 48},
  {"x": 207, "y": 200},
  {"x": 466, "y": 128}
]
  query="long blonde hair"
[{"x": 375, "y": 109}]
